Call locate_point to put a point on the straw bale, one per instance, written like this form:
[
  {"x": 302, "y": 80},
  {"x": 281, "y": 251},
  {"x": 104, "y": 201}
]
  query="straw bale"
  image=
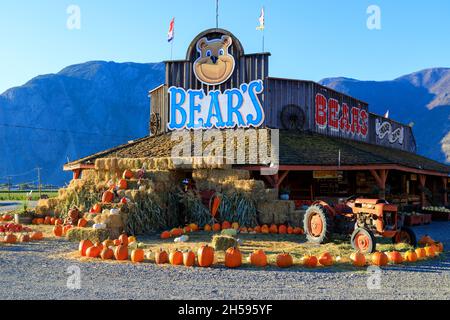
[
  {"x": 271, "y": 194},
  {"x": 89, "y": 175},
  {"x": 223, "y": 242},
  {"x": 94, "y": 235},
  {"x": 277, "y": 212},
  {"x": 296, "y": 218},
  {"x": 100, "y": 164}
]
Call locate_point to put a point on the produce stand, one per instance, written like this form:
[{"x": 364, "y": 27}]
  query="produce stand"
[{"x": 438, "y": 213}]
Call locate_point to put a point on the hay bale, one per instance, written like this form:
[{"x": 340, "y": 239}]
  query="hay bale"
[
  {"x": 271, "y": 195},
  {"x": 277, "y": 212},
  {"x": 296, "y": 218},
  {"x": 89, "y": 175},
  {"x": 94, "y": 235},
  {"x": 220, "y": 176},
  {"x": 100, "y": 164},
  {"x": 223, "y": 242}
]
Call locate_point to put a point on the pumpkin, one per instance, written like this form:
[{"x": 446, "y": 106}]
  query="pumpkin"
[
  {"x": 82, "y": 223},
  {"x": 273, "y": 228},
  {"x": 165, "y": 235},
  {"x": 94, "y": 251},
  {"x": 411, "y": 256},
  {"x": 421, "y": 254},
  {"x": 128, "y": 174},
  {"x": 430, "y": 251},
  {"x": 426, "y": 240},
  {"x": 108, "y": 243},
  {"x": 107, "y": 197},
  {"x": 226, "y": 225},
  {"x": 48, "y": 220},
  {"x": 298, "y": 231},
  {"x": 207, "y": 228},
  {"x": 37, "y": 235},
  {"x": 66, "y": 229},
  {"x": 265, "y": 229},
  {"x": 10, "y": 238},
  {"x": 58, "y": 231},
  {"x": 250, "y": 230},
  {"x": 58, "y": 222},
  {"x": 123, "y": 239},
  {"x": 187, "y": 229},
  {"x": 121, "y": 253},
  {"x": 176, "y": 232},
  {"x": 52, "y": 221},
  {"x": 326, "y": 259},
  {"x": 107, "y": 253},
  {"x": 132, "y": 239},
  {"x": 395, "y": 257},
  {"x": 24, "y": 238},
  {"x": 97, "y": 208},
  {"x": 439, "y": 247},
  {"x": 205, "y": 256},
  {"x": 257, "y": 229},
  {"x": 284, "y": 260},
  {"x": 233, "y": 258},
  {"x": 310, "y": 261},
  {"x": 358, "y": 259},
  {"x": 137, "y": 255},
  {"x": 379, "y": 259},
  {"x": 258, "y": 258},
  {"x": 117, "y": 242},
  {"x": 83, "y": 246},
  {"x": 235, "y": 225},
  {"x": 123, "y": 185},
  {"x": 194, "y": 227},
  {"x": 39, "y": 221},
  {"x": 189, "y": 258},
  {"x": 282, "y": 229},
  {"x": 176, "y": 258},
  {"x": 216, "y": 227},
  {"x": 243, "y": 230},
  {"x": 161, "y": 257}
]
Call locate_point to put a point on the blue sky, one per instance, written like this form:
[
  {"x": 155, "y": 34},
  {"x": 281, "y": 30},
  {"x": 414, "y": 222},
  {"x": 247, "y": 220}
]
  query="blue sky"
[{"x": 307, "y": 39}]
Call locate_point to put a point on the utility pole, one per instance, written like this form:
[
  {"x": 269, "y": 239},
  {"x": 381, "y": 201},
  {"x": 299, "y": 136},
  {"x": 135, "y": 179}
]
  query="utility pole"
[
  {"x": 39, "y": 181},
  {"x": 9, "y": 187}
]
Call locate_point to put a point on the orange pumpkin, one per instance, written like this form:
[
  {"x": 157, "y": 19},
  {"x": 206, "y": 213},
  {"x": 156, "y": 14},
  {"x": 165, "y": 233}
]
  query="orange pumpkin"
[
  {"x": 165, "y": 235},
  {"x": 161, "y": 257},
  {"x": 137, "y": 255},
  {"x": 194, "y": 227},
  {"x": 48, "y": 220},
  {"x": 310, "y": 261},
  {"x": 123, "y": 239},
  {"x": 257, "y": 229},
  {"x": 83, "y": 246},
  {"x": 187, "y": 229},
  {"x": 97, "y": 208},
  {"x": 58, "y": 222},
  {"x": 290, "y": 230},
  {"x": 58, "y": 231},
  {"x": 430, "y": 251},
  {"x": 395, "y": 257},
  {"x": 108, "y": 243},
  {"x": 439, "y": 247},
  {"x": 205, "y": 256},
  {"x": 235, "y": 225},
  {"x": 258, "y": 258},
  {"x": 116, "y": 242},
  {"x": 52, "y": 221},
  {"x": 189, "y": 258},
  {"x": 176, "y": 232},
  {"x": 298, "y": 231},
  {"x": 10, "y": 238},
  {"x": 207, "y": 228},
  {"x": 411, "y": 256},
  {"x": 128, "y": 174},
  {"x": 426, "y": 240},
  {"x": 226, "y": 225},
  {"x": 358, "y": 259},
  {"x": 40, "y": 221},
  {"x": 265, "y": 229},
  {"x": 107, "y": 253},
  {"x": 66, "y": 229},
  {"x": 37, "y": 235},
  {"x": 176, "y": 258},
  {"x": 107, "y": 197},
  {"x": 284, "y": 260},
  {"x": 94, "y": 251},
  {"x": 243, "y": 230},
  {"x": 250, "y": 230},
  {"x": 282, "y": 229},
  {"x": 273, "y": 228},
  {"x": 24, "y": 238},
  {"x": 326, "y": 259},
  {"x": 82, "y": 223},
  {"x": 216, "y": 227},
  {"x": 123, "y": 185},
  {"x": 121, "y": 253},
  {"x": 421, "y": 254},
  {"x": 233, "y": 258},
  {"x": 379, "y": 259}
]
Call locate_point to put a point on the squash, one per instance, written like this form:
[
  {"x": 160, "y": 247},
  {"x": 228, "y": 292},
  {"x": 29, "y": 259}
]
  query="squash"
[
  {"x": 421, "y": 254},
  {"x": 226, "y": 225},
  {"x": 265, "y": 229},
  {"x": 107, "y": 253},
  {"x": 128, "y": 174},
  {"x": 189, "y": 258},
  {"x": 310, "y": 261},
  {"x": 58, "y": 231},
  {"x": 123, "y": 185},
  {"x": 107, "y": 197},
  {"x": 176, "y": 258},
  {"x": 358, "y": 259},
  {"x": 161, "y": 257},
  {"x": 194, "y": 227},
  {"x": 326, "y": 259},
  {"x": 97, "y": 208},
  {"x": 10, "y": 238},
  {"x": 282, "y": 229},
  {"x": 216, "y": 227},
  {"x": 233, "y": 258},
  {"x": 121, "y": 253},
  {"x": 379, "y": 259},
  {"x": 257, "y": 229},
  {"x": 290, "y": 230},
  {"x": 430, "y": 251},
  {"x": 258, "y": 258},
  {"x": 137, "y": 255},
  {"x": 439, "y": 247},
  {"x": 205, "y": 256},
  {"x": 58, "y": 222},
  {"x": 187, "y": 229},
  {"x": 273, "y": 228},
  {"x": 207, "y": 228},
  {"x": 176, "y": 232},
  {"x": 123, "y": 238},
  {"x": 235, "y": 225},
  {"x": 426, "y": 240},
  {"x": 284, "y": 260},
  {"x": 24, "y": 238},
  {"x": 82, "y": 223},
  {"x": 411, "y": 256},
  {"x": 298, "y": 231},
  {"x": 395, "y": 257},
  {"x": 94, "y": 251},
  {"x": 165, "y": 235},
  {"x": 83, "y": 246},
  {"x": 108, "y": 243},
  {"x": 37, "y": 235}
]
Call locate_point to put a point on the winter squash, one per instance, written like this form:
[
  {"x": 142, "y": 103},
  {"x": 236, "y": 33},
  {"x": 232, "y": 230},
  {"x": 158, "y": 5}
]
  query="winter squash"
[
  {"x": 82, "y": 223},
  {"x": 421, "y": 254},
  {"x": 310, "y": 261},
  {"x": 189, "y": 258},
  {"x": 97, "y": 208},
  {"x": 165, "y": 235},
  {"x": 107, "y": 253},
  {"x": 123, "y": 185},
  {"x": 116, "y": 242},
  {"x": 326, "y": 259},
  {"x": 395, "y": 257},
  {"x": 205, "y": 256},
  {"x": 439, "y": 247},
  {"x": 10, "y": 238},
  {"x": 358, "y": 259},
  {"x": 257, "y": 229},
  {"x": 250, "y": 230},
  {"x": 108, "y": 243},
  {"x": 132, "y": 239},
  {"x": 194, "y": 227},
  {"x": 48, "y": 220},
  {"x": 24, "y": 238},
  {"x": 123, "y": 238},
  {"x": 411, "y": 256},
  {"x": 128, "y": 174},
  {"x": 137, "y": 255},
  {"x": 282, "y": 229},
  {"x": 207, "y": 228},
  {"x": 52, "y": 221},
  {"x": 83, "y": 246},
  {"x": 233, "y": 258},
  {"x": 426, "y": 240},
  {"x": 258, "y": 258},
  {"x": 265, "y": 229},
  {"x": 273, "y": 228},
  {"x": 66, "y": 229},
  {"x": 121, "y": 253},
  {"x": 226, "y": 225},
  {"x": 235, "y": 225},
  {"x": 161, "y": 257},
  {"x": 94, "y": 251},
  {"x": 176, "y": 232},
  {"x": 284, "y": 260},
  {"x": 37, "y": 235},
  {"x": 107, "y": 197},
  {"x": 430, "y": 251},
  {"x": 58, "y": 231},
  {"x": 58, "y": 222},
  {"x": 298, "y": 231},
  {"x": 176, "y": 258},
  {"x": 216, "y": 227},
  {"x": 379, "y": 259},
  {"x": 187, "y": 229}
]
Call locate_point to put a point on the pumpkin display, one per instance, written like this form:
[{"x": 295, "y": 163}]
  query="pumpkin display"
[
  {"x": 411, "y": 256},
  {"x": 258, "y": 258},
  {"x": 284, "y": 260},
  {"x": 137, "y": 255},
  {"x": 205, "y": 256},
  {"x": 233, "y": 258},
  {"x": 161, "y": 257},
  {"x": 189, "y": 258},
  {"x": 326, "y": 259},
  {"x": 216, "y": 227},
  {"x": 282, "y": 229},
  {"x": 421, "y": 254},
  {"x": 257, "y": 229},
  {"x": 58, "y": 231},
  {"x": 176, "y": 258},
  {"x": 94, "y": 251},
  {"x": 358, "y": 259},
  {"x": 121, "y": 253},
  {"x": 128, "y": 174},
  {"x": 10, "y": 238},
  {"x": 273, "y": 228},
  {"x": 310, "y": 261},
  {"x": 82, "y": 223},
  {"x": 36, "y": 236},
  {"x": 265, "y": 229},
  {"x": 379, "y": 259},
  {"x": 235, "y": 225},
  {"x": 395, "y": 257},
  {"x": 165, "y": 235},
  {"x": 290, "y": 230},
  {"x": 226, "y": 225},
  {"x": 83, "y": 246},
  {"x": 97, "y": 208},
  {"x": 207, "y": 228},
  {"x": 24, "y": 238},
  {"x": 123, "y": 238},
  {"x": 107, "y": 197},
  {"x": 107, "y": 253},
  {"x": 430, "y": 251},
  {"x": 123, "y": 185}
]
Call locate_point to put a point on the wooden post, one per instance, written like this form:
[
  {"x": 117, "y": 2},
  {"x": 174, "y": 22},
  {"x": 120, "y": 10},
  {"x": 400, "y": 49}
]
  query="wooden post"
[
  {"x": 76, "y": 174},
  {"x": 445, "y": 182},
  {"x": 276, "y": 180},
  {"x": 381, "y": 178},
  {"x": 422, "y": 181}
]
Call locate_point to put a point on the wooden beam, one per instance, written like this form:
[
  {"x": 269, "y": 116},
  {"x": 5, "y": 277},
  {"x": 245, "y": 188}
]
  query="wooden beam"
[
  {"x": 422, "y": 182},
  {"x": 445, "y": 182},
  {"x": 77, "y": 174},
  {"x": 281, "y": 178}
]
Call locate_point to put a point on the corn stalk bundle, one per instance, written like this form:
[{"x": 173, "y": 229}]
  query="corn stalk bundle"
[
  {"x": 174, "y": 214},
  {"x": 145, "y": 217},
  {"x": 238, "y": 207},
  {"x": 82, "y": 198},
  {"x": 196, "y": 211}
]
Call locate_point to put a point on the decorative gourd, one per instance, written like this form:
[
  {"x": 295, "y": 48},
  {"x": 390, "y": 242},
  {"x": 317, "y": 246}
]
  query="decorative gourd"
[
  {"x": 37, "y": 235},
  {"x": 395, "y": 257},
  {"x": 82, "y": 223},
  {"x": 83, "y": 246},
  {"x": 10, "y": 238},
  {"x": 94, "y": 251},
  {"x": 207, "y": 228},
  {"x": 290, "y": 230},
  {"x": 107, "y": 253},
  {"x": 123, "y": 238},
  {"x": 217, "y": 227},
  {"x": 284, "y": 260},
  {"x": 273, "y": 228},
  {"x": 107, "y": 197},
  {"x": 358, "y": 259},
  {"x": 379, "y": 259},
  {"x": 310, "y": 261},
  {"x": 121, "y": 253},
  {"x": 189, "y": 258},
  {"x": 176, "y": 258},
  {"x": 430, "y": 251},
  {"x": 58, "y": 231},
  {"x": 235, "y": 225},
  {"x": 233, "y": 258},
  {"x": 411, "y": 256},
  {"x": 137, "y": 255},
  {"x": 265, "y": 229},
  {"x": 282, "y": 229},
  {"x": 165, "y": 235},
  {"x": 128, "y": 174},
  {"x": 24, "y": 238},
  {"x": 421, "y": 254},
  {"x": 226, "y": 225},
  {"x": 205, "y": 256},
  {"x": 161, "y": 257},
  {"x": 326, "y": 259},
  {"x": 258, "y": 258}
]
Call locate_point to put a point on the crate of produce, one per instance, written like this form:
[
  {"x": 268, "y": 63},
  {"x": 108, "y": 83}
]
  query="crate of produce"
[{"x": 413, "y": 219}]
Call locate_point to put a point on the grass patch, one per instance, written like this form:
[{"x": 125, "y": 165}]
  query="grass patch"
[{"x": 22, "y": 195}]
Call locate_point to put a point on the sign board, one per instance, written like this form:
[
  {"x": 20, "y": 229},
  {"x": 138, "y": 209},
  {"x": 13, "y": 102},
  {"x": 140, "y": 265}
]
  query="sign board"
[{"x": 327, "y": 174}]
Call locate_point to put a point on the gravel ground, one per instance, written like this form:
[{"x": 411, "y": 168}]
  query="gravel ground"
[{"x": 31, "y": 272}]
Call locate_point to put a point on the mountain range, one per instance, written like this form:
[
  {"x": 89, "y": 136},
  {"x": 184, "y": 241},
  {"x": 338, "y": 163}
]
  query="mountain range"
[{"x": 89, "y": 107}]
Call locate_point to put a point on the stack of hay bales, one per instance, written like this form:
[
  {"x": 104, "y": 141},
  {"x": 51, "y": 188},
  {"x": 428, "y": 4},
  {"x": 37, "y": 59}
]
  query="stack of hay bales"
[
  {"x": 277, "y": 211},
  {"x": 46, "y": 207}
]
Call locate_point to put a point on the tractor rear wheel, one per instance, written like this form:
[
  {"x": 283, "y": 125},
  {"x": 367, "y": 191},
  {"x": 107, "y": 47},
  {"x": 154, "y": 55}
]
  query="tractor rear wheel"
[
  {"x": 363, "y": 240},
  {"x": 318, "y": 224},
  {"x": 405, "y": 235}
]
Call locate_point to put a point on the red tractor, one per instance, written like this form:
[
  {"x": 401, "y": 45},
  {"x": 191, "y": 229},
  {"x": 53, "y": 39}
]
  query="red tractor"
[{"x": 363, "y": 219}]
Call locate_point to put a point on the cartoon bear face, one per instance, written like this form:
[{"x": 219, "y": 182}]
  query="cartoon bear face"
[{"x": 215, "y": 65}]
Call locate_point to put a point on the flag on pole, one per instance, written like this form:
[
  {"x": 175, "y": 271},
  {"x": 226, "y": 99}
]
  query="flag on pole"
[
  {"x": 261, "y": 21},
  {"x": 171, "y": 33}
]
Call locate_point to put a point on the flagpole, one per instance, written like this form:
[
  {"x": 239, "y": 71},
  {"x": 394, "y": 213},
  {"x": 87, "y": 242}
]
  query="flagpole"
[
  {"x": 263, "y": 40},
  {"x": 171, "y": 49},
  {"x": 217, "y": 14}
]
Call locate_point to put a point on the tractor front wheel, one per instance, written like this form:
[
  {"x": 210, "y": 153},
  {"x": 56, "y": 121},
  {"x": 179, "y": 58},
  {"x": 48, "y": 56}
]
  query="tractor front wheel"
[
  {"x": 317, "y": 224},
  {"x": 405, "y": 235},
  {"x": 363, "y": 240}
]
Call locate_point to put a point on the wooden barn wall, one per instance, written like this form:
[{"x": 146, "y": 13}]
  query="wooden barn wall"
[{"x": 158, "y": 103}]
